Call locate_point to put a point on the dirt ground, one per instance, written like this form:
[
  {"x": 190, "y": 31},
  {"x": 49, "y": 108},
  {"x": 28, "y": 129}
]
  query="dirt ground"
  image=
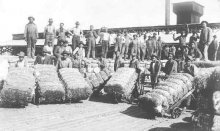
[{"x": 89, "y": 115}]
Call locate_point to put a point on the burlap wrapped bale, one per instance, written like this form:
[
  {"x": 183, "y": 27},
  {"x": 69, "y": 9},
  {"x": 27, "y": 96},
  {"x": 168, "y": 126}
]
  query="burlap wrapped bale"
[
  {"x": 216, "y": 102},
  {"x": 202, "y": 78},
  {"x": 122, "y": 82},
  {"x": 206, "y": 64},
  {"x": 153, "y": 102},
  {"x": 165, "y": 94},
  {"x": 18, "y": 88},
  {"x": 104, "y": 75},
  {"x": 75, "y": 85},
  {"x": 180, "y": 84},
  {"x": 99, "y": 78},
  {"x": 214, "y": 83},
  {"x": 177, "y": 88},
  {"x": 50, "y": 87},
  {"x": 107, "y": 71},
  {"x": 170, "y": 90},
  {"x": 216, "y": 123}
]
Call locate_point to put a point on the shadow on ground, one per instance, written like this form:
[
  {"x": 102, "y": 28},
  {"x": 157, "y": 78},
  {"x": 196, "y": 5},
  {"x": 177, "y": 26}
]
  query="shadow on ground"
[
  {"x": 135, "y": 111},
  {"x": 105, "y": 98},
  {"x": 181, "y": 126}
]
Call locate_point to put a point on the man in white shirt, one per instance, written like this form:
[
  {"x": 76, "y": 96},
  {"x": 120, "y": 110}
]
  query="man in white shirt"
[
  {"x": 49, "y": 32},
  {"x": 77, "y": 33},
  {"x": 104, "y": 40}
]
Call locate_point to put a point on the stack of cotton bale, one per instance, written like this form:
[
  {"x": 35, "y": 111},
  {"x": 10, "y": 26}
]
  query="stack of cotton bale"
[
  {"x": 50, "y": 88},
  {"x": 166, "y": 93},
  {"x": 122, "y": 82},
  {"x": 76, "y": 87},
  {"x": 18, "y": 88}
]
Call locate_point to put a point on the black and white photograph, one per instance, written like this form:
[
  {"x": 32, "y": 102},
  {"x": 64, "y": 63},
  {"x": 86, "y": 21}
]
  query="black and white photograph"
[{"x": 110, "y": 65}]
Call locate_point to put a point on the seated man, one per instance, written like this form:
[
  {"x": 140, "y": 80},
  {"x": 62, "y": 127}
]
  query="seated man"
[
  {"x": 79, "y": 51},
  {"x": 190, "y": 68},
  {"x": 45, "y": 58},
  {"x": 21, "y": 62},
  {"x": 134, "y": 63},
  {"x": 65, "y": 61},
  {"x": 155, "y": 67},
  {"x": 171, "y": 65},
  {"x": 195, "y": 52},
  {"x": 49, "y": 47}
]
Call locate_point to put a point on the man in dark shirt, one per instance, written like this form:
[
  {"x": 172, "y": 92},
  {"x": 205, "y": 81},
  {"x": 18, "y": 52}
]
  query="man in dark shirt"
[
  {"x": 214, "y": 47},
  {"x": 171, "y": 65},
  {"x": 30, "y": 36},
  {"x": 45, "y": 58},
  {"x": 155, "y": 67}
]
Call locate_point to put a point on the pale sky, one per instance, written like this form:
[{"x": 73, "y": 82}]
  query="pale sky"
[{"x": 109, "y": 13}]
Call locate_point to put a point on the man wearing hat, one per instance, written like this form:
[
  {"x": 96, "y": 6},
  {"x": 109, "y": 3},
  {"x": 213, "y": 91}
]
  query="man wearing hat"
[
  {"x": 30, "y": 36},
  {"x": 91, "y": 39},
  {"x": 21, "y": 62},
  {"x": 190, "y": 68},
  {"x": 205, "y": 39},
  {"x": 65, "y": 61},
  {"x": 171, "y": 65},
  {"x": 214, "y": 47},
  {"x": 45, "y": 58},
  {"x": 77, "y": 33},
  {"x": 49, "y": 32},
  {"x": 155, "y": 67}
]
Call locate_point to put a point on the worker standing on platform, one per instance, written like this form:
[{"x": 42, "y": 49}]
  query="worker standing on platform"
[
  {"x": 134, "y": 46},
  {"x": 104, "y": 40},
  {"x": 49, "y": 32},
  {"x": 205, "y": 39},
  {"x": 214, "y": 46},
  {"x": 125, "y": 46},
  {"x": 150, "y": 48},
  {"x": 141, "y": 47},
  {"x": 182, "y": 39},
  {"x": 77, "y": 33},
  {"x": 118, "y": 44},
  {"x": 155, "y": 67},
  {"x": 31, "y": 36},
  {"x": 160, "y": 44},
  {"x": 61, "y": 34},
  {"x": 91, "y": 38}
]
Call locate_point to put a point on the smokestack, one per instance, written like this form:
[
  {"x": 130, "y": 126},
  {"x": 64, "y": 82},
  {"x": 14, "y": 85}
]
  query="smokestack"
[{"x": 167, "y": 12}]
